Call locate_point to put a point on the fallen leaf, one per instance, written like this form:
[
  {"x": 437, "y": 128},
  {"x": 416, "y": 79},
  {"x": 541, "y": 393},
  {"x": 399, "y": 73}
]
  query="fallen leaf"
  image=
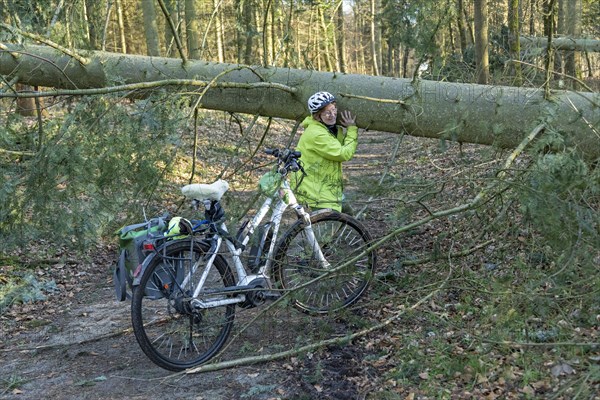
[
  {"x": 562, "y": 369},
  {"x": 424, "y": 375},
  {"x": 528, "y": 390}
]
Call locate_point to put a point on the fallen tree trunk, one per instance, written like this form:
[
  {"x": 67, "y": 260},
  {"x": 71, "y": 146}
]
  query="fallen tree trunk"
[
  {"x": 470, "y": 113},
  {"x": 562, "y": 43}
]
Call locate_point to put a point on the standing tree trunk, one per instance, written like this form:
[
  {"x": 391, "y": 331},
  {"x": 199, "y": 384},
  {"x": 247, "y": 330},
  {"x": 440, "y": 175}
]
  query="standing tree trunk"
[
  {"x": 532, "y": 14},
  {"x": 559, "y": 26},
  {"x": 378, "y": 34},
  {"x": 469, "y": 24},
  {"x": 513, "y": 39},
  {"x": 25, "y": 106},
  {"x": 121, "y": 27},
  {"x": 375, "y": 68},
  {"x": 266, "y": 31},
  {"x": 341, "y": 37},
  {"x": 290, "y": 38},
  {"x": 249, "y": 27},
  {"x": 218, "y": 7},
  {"x": 460, "y": 22},
  {"x": 94, "y": 13},
  {"x": 573, "y": 29},
  {"x": 325, "y": 40},
  {"x": 481, "y": 42},
  {"x": 170, "y": 47},
  {"x": 150, "y": 28},
  {"x": 192, "y": 30}
]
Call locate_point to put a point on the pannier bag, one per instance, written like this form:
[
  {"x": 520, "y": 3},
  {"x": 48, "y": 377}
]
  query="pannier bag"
[{"x": 131, "y": 251}]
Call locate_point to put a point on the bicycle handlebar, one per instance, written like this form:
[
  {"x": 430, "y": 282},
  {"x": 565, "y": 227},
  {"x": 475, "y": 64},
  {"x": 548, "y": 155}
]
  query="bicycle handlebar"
[
  {"x": 287, "y": 159},
  {"x": 284, "y": 155}
]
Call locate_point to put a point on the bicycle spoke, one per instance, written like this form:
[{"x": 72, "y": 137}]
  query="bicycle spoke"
[
  {"x": 185, "y": 337},
  {"x": 341, "y": 240}
]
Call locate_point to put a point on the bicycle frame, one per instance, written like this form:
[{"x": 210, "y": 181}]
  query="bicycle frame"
[{"x": 282, "y": 199}]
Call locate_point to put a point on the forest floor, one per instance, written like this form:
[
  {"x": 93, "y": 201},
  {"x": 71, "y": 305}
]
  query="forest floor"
[{"x": 78, "y": 343}]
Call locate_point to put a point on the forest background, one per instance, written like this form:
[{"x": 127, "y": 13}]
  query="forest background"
[{"x": 512, "y": 310}]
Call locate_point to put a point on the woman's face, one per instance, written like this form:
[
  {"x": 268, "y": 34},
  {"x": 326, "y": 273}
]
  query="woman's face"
[{"x": 328, "y": 115}]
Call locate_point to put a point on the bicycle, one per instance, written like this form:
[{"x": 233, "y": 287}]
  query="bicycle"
[{"x": 185, "y": 293}]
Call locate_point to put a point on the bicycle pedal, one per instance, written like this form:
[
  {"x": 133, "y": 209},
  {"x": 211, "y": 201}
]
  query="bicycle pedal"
[{"x": 270, "y": 295}]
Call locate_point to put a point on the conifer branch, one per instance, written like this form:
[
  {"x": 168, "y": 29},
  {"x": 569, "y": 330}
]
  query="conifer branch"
[
  {"x": 151, "y": 85},
  {"x": 82, "y": 60}
]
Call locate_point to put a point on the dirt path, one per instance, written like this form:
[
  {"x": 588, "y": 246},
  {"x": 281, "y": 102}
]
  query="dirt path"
[{"x": 79, "y": 345}]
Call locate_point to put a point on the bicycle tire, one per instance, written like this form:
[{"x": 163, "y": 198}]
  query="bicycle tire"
[
  {"x": 169, "y": 331},
  {"x": 352, "y": 272}
]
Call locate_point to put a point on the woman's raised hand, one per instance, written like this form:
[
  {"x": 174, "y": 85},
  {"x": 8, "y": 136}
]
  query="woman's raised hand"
[{"x": 347, "y": 119}]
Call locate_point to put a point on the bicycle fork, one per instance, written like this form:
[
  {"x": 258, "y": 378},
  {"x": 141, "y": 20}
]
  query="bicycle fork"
[{"x": 312, "y": 241}]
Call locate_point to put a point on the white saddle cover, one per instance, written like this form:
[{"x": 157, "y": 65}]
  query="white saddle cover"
[{"x": 205, "y": 191}]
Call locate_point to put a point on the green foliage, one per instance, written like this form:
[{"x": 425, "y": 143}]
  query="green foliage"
[
  {"x": 99, "y": 159},
  {"x": 25, "y": 290},
  {"x": 560, "y": 198}
]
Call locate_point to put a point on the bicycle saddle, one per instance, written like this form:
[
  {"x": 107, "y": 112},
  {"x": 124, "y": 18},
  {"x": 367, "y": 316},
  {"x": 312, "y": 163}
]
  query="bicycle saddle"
[{"x": 205, "y": 191}]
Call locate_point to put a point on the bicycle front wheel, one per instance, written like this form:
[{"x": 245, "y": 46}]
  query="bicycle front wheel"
[
  {"x": 171, "y": 332},
  {"x": 320, "y": 287}
]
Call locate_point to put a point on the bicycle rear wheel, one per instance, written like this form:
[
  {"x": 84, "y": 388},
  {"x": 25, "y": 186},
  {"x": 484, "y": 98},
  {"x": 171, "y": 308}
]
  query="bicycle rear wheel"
[
  {"x": 344, "y": 243},
  {"x": 172, "y": 333}
]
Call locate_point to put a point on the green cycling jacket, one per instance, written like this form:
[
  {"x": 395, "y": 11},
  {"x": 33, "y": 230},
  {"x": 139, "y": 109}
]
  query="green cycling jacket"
[{"x": 322, "y": 157}]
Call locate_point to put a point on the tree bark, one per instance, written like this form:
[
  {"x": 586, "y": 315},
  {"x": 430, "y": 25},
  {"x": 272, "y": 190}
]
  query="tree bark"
[
  {"x": 573, "y": 29},
  {"x": 192, "y": 30},
  {"x": 249, "y": 27},
  {"x": 481, "y": 42},
  {"x": 513, "y": 40},
  {"x": 121, "y": 27},
  {"x": 460, "y": 22},
  {"x": 341, "y": 37},
  {"x": 94, "y": 9},
  {"x": 373, "y": 40},
  {"x": 219, "y": 29},
  {"x": 150, "y": 28},
  {"x": 462, "y": 112}
]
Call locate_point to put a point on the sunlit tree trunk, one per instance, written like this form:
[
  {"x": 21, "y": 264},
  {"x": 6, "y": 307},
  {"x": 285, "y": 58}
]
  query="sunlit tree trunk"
[
  {"x": 150, "y": 28},
  {"x": 513, "y": 39},
  {"x": 341, "y": 37},
  {"x": 481, "y": 42},
  {"x": 290, "y": 38},
  {"x": 325, "y": 40},
  {"x": 375, "y": 67},
  {"x": 192, "y": 29},
  {"x": 218, "y": 24},
  {"x": 121, "y": 27},
  {"x": 378, "y": 34}
]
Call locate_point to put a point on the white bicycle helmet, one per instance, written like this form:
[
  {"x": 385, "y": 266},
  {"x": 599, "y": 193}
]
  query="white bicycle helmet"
[{"x": 319, "y": 100}]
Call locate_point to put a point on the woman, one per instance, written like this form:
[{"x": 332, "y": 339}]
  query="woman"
[{"x": 324, "y": 146}]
